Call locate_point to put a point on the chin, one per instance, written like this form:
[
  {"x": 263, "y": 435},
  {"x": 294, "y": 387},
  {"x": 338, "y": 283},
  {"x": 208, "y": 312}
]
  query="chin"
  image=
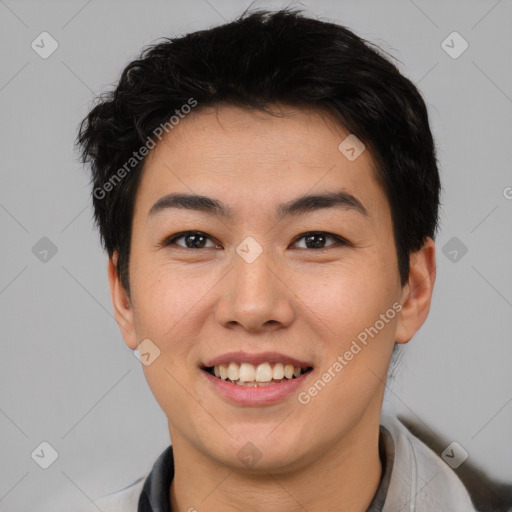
[{"x": 254, "y": 450}]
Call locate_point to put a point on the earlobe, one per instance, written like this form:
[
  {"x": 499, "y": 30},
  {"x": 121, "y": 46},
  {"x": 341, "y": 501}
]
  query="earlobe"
[
  {"x": 417, "y": 293},
  {"x": 121, "y": 303}
]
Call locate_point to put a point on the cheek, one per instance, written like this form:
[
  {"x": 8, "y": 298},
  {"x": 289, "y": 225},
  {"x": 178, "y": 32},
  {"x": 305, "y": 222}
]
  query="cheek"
[
  {"x": 355, "y": 325},
  {"x": 164, "y": 296},
  {"x": 356, "y": 340},
  {"x": 347, "y": 298},
  {"x": 166, "y": 305}
]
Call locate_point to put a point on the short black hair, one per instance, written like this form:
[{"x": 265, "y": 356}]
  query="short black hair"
[{"x": 264, "y": 58}]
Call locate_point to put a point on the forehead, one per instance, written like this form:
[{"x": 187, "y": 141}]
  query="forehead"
[{"x": 250, "y": 157}]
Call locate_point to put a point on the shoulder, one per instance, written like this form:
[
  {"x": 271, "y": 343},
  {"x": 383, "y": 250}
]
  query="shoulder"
[
  {"x": 154, "y": 486},
  {"x": 420, "y": 478},
  {"x": 124, "y": 500}
]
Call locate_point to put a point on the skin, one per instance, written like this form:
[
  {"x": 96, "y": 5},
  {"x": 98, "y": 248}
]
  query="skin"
[{"x": 311, "y": 304}]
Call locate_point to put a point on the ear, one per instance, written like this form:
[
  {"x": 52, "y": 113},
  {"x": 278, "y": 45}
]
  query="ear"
[
  {"x": 122, "y": 304},
  {"x": 417, "y": 293}
]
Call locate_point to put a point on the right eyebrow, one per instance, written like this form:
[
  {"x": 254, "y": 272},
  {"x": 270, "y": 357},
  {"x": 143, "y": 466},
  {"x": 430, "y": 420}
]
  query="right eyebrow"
[{"x": 190, "y": 202}]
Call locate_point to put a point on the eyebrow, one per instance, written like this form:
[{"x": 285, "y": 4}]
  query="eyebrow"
[{"x": 300, "y": 205}]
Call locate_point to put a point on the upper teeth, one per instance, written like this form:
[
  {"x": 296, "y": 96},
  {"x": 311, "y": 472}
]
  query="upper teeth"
[{"x": 264, "y": 372}]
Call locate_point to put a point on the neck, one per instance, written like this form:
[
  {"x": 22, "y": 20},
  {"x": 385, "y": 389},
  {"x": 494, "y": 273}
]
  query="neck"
[{"x": 347, "y": 471}]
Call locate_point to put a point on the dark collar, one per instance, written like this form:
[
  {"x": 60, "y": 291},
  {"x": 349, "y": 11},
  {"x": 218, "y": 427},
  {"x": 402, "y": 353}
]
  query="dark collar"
[{"x": 155, "y": 493}]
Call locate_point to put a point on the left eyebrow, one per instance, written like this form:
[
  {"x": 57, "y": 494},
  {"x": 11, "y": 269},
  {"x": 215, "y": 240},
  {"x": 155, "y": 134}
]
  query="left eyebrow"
[
  {"x": 300, "y": 205},
  {"x": 310, "y": 203}
]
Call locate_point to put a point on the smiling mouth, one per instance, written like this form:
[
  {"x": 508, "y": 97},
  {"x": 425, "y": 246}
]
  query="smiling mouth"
[{"x": 249, "y": 375}]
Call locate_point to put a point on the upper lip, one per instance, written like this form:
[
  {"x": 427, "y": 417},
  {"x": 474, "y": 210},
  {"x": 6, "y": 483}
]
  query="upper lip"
[{"x": 261, "y": 357}]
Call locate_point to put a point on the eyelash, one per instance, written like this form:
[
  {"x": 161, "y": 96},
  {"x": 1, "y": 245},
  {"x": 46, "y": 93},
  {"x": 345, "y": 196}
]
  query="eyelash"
[{"x": 339, "y": 240}]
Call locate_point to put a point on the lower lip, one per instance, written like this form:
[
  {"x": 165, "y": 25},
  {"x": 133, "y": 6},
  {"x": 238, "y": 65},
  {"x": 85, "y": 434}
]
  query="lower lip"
[{"x": 258, "y": 395}]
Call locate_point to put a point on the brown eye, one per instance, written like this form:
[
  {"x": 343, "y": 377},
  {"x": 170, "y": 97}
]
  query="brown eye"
[
  {"x": 317, "y": 240},
  {"x": 192, "y": 239}
]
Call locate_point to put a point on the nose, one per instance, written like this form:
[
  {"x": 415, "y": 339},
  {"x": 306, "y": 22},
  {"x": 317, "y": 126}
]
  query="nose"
[{"x": 255, "y": 296}]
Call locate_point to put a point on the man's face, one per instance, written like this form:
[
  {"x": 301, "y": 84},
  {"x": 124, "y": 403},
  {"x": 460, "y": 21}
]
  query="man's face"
[{"x": 303, "y": 299}]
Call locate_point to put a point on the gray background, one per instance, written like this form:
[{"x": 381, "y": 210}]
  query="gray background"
[{"x": 66, "y": 375}]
